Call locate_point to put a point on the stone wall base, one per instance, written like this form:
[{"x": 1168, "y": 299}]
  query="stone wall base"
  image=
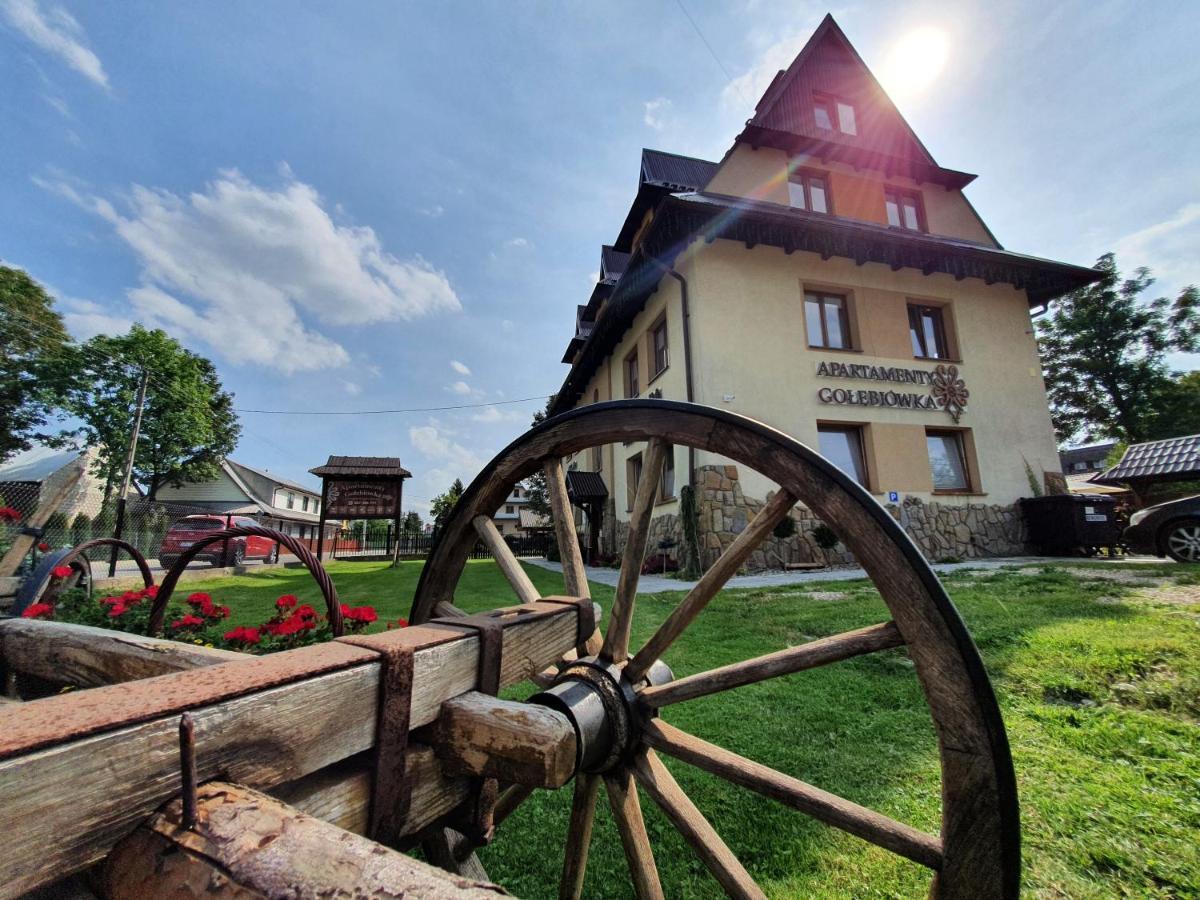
[{"x": 940, "y": 530}]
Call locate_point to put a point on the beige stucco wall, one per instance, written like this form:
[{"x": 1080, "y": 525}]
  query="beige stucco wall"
[
  {"x": 749, "y": 343},
  {"x": 762, "y": 175}
]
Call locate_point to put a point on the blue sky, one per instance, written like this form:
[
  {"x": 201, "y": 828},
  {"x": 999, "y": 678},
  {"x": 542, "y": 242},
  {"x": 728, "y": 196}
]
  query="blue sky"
[{"x": 398, "y": 205}]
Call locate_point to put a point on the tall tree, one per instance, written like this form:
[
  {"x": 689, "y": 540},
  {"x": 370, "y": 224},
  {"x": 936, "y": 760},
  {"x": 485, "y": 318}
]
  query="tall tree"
[
  {"x": 539, "y": 499},
  {"x": 188, "y": 425},
  {"x": 1104, "y": 354},
  {"x": 443, "y": 504},
  {"x": 34, "y": 361},
  {"x": 1177, "y": 410},
  {"x": 411, "y": 523}
]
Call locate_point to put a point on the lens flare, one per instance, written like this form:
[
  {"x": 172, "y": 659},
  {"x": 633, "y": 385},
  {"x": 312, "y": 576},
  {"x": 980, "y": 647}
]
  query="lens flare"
[{"x": 917, "y": 58}]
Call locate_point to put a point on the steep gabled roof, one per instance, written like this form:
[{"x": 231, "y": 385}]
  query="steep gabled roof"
[
  {"x": 369, "y": 466},
  {"x": 829, "y": 66},
  {"x": 661, "y": 174}
]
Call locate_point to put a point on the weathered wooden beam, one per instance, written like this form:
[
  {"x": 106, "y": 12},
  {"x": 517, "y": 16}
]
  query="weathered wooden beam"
[
  {"x": 84, "y": 656},
  {"x": 477, "y": 734},
  {"x": 64, "y": 805},
  {"x": 246, "y": 844},
  {"x": 521, "y": 583}
]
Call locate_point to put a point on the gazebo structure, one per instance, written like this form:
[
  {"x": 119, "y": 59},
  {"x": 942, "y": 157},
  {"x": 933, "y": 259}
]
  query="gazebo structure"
[
  {"x": 1155, "y": 462},
  {"x": 588, "y": 491},
  {"x": 360, "y": 487}
]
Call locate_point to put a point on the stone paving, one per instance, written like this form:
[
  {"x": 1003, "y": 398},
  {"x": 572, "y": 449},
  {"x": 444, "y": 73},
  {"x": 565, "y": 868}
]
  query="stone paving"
[{"x": 657, "y": 584}]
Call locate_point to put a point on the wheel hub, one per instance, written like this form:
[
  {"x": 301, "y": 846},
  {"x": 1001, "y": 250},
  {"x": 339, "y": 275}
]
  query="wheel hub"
[{"x": 602, "y": 706}]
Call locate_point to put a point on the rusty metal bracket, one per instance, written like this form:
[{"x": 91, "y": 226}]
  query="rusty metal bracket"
[{"x": 391, "y": 784}]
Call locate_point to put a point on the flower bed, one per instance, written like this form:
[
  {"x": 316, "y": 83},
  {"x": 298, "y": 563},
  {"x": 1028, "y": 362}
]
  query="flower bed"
[{"x": 200, "y": 620}]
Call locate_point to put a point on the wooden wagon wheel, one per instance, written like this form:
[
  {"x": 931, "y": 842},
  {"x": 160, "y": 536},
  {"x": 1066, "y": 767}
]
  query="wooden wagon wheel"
[{"x": 977, "y": 853}]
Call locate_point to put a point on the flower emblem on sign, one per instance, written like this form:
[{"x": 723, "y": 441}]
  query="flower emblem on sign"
[{"x": 949, "y": 391}]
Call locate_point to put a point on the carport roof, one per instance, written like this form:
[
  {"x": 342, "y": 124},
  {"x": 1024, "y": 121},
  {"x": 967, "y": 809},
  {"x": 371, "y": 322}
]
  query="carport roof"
[{"x": 1175, "y": 459}]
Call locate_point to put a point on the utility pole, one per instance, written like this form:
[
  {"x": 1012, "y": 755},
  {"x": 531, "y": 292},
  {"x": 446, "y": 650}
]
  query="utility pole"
[{"x": 137, "y": 427}]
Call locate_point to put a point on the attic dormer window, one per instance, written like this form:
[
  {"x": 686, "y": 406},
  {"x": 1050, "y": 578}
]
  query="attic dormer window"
[
  {"x": 831, "y": 114},
  {"x": 809, "y": 190}
]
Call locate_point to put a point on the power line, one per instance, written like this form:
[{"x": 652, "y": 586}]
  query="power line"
[
  {"x": 381, "y": 412},
  {"x": 709, "y": 47}
]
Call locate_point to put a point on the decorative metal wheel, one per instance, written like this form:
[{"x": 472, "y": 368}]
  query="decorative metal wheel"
[{"x": 614, "y": 697}]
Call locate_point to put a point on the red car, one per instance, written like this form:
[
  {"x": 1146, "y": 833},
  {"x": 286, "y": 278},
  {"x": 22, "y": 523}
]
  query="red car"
[{"x": 186, "y": 531}]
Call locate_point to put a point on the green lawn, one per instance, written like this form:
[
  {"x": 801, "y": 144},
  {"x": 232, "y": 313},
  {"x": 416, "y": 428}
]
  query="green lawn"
[{"x": 1099, "y": 683}]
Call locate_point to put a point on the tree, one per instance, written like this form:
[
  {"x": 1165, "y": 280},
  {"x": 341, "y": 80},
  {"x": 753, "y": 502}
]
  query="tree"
[
  {"x": 188, "y": 425},
  {"x": 1104, "y": 354},
  {"x": 443, "y": 504},
  {"x": 411, "y": 523},
  {"x": 34, "y": 360},
  {"x": 1177, "y": 409},
  {"x": 539, "y": 498}
]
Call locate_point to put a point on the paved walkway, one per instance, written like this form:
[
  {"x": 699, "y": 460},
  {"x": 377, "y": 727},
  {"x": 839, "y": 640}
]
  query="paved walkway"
[{"x": 657, "y": 584}]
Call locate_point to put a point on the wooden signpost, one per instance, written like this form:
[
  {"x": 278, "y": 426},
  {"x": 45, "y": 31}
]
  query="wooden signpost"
[{"x": 361, "y": 487}]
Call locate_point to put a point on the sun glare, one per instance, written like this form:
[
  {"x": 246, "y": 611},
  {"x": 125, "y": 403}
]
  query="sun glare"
[{"x": 915, "y": 61}]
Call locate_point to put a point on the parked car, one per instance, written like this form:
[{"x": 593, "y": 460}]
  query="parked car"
[
  {"x": 1168, "y": 529},
  {"x": 184, "y": 532}
]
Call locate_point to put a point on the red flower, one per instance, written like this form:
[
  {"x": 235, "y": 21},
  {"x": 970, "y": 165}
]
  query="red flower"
[
  {"x": 305, "y": 612},
  {"x": 8, "y": 514},
  {"x": 60, "y": 572},
  {"x": 151, "y": 591},
  {"x": 38, "y": 611},
  {"x": 198, "y": 599},
  {"x": 243, "y": 635},
  {"x": 119, "y": 609},
  {"x": 110, "y": 601},
  {"x": 43, "y": 547},
  {"x": 287, "y": 601},
  {"x": 399, "y": 623},
  {"x": 363, "y": 614},
  {"x": 188, "y": 621},
  {"x": 220, "y": 612}
]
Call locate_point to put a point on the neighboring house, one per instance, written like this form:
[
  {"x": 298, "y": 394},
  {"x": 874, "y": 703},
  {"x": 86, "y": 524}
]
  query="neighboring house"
[
  {"x": 1086, "y": 459},
  {"x": 508, "y": 516},
  {"x": 829, "y": 278},
  {"x": 34, "y": 474},
  {"x": 245, "y": 491}
]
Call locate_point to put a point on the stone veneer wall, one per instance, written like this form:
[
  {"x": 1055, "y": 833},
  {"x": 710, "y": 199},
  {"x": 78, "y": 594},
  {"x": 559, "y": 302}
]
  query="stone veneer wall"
[{"x": 940, "y": 530}]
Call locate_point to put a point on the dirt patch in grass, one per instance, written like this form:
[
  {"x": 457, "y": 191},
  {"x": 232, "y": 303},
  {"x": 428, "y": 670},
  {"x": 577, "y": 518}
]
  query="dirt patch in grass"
[{"x": 1172, "y": 594}]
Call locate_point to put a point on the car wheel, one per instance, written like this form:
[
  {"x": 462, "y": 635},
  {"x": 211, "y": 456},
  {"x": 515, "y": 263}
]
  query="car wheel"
[
  {"x": 273, "y": 556},
  {"x": 1182, "y": 541},
  {"x": 238, "y": 556}
]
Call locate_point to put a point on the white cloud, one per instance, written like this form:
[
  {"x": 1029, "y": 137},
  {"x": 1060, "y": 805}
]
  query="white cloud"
[
  {"x": 86, "y": 319},
  {"x": 518, "y": 242},
  {"x": 434, "y": 212},
  {"x": 241, "y": 267},
  {"x": 1167, "y": 248},
  {"x": 352, "y": 388},
  {"x": 655, "y": 112},
  {"x": 507, "y": 325},
  {"x": 746, "y": 90},
  {"x": 55, "y": 31},
  {"x": 59, "y": 105},
  {"x": 491, "y": 415},
  {"x": 461, "y": 388},
  {"x": 460, "y": 368},
  {"x": 448, "y": 460}
]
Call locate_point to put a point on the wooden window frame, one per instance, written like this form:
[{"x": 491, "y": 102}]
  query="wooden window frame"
[
  {"x": 941, "y": 331},
  {"x": 830, "y": 103},
  {"x": 668, "y": 460},
  {"x": 632, "y": 385},
  {"x": 861, "y": 435},
  {"x": 966, "y": 449},
  {"x": 802, "y": 177},
  {"x": 830, "y": 106},
  {"x": 632, "y": 464},
  {"x": 660, "y": 324},
  {"x": 918, "y": 202},
  {"x": 847, "y": 328}
]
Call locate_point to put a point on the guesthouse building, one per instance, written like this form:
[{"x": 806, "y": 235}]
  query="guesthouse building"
[{"x": 827, "y": 277}]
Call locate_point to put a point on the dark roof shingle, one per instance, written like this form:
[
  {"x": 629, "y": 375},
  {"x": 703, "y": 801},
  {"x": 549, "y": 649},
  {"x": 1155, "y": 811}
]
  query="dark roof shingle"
[
  {"x": 373, "y": 466},
  {"x": 1175, "y": 459}
]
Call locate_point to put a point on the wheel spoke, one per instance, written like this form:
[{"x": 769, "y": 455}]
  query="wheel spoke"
[
  {"x": 616, "y": 637},
  {"x": 512, "y": 570},
  {"x": 772, "y": 665},
  {"x": 654, "y": 778},
  {"x": 579, "y": 836},
  {"x": 509, "y": 800},
  {"x": 710, "y": 583},
  {"x": 829, "y": 808},
  {"x": 623, "y": 798},
  {"x": 574, "y": 574}
]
